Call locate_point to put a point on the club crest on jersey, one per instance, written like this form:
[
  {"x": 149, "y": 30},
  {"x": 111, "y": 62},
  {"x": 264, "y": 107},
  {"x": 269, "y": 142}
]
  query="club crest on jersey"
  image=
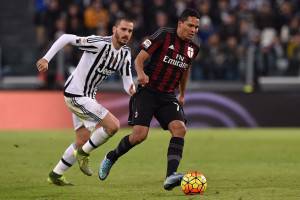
[
  {"x": 190, "y": 52},
  {"x": 147, "y": 43}
]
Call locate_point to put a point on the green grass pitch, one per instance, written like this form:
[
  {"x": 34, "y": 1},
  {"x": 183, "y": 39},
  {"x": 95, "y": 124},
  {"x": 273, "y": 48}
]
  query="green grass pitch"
[{"x": 239, "y": 164}]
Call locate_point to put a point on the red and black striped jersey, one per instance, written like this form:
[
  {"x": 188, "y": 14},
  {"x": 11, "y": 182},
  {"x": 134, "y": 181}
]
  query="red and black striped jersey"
[{"x": 170, "y": 58}]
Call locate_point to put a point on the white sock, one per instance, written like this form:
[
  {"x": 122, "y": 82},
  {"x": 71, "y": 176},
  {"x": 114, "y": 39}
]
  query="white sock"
[
  {"x": 98, "y": 138},
  {"x": 67, "y": 160}
]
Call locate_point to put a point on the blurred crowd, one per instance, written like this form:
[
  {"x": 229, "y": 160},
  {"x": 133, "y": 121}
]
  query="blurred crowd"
[{"x": 234, "y": 35}]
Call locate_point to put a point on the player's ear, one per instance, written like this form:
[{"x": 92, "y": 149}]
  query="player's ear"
[
  {"x": 179, "y": 23},
  {"x": 114, "y": 29}
]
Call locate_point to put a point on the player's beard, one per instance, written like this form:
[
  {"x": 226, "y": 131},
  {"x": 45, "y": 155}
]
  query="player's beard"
[{"x": 121, "y": 40}]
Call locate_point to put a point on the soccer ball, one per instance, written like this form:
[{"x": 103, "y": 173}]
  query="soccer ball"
[{"x": 193, "y": 183}]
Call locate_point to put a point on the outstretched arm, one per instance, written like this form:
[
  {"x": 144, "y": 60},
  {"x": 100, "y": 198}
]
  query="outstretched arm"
[{"x": 42, "y": 64}]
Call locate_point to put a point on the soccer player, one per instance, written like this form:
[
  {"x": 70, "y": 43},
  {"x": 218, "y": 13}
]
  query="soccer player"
[
  {"x": 171, "y": 52},
  {"x": 93, "y": 123}
]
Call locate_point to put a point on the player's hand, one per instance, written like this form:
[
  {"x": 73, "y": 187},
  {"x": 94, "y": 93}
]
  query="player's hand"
[
  {"x": 181, "y": 100},
  {"x": 42, "y": 65},
  {"x": 132, "y": 90},
  {"x": 143, "y": 79}
]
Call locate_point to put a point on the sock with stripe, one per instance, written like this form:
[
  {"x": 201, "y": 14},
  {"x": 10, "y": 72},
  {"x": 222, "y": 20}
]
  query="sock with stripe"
[
  {"x": 67, "y": 160},
  {"x": 98, "y": 137},
  {"x": 174, "y": 154},
  {"x": 123, "y": 147}
]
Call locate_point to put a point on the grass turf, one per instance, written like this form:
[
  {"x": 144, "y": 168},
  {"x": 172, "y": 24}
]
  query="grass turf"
[{"x": 239, "y": 164}]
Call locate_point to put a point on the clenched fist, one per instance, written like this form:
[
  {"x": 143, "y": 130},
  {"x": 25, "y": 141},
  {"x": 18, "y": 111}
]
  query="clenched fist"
[{"x": 42, "y": 65}]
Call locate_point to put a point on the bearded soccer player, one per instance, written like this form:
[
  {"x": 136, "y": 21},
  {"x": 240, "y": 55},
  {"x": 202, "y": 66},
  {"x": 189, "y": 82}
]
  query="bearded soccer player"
[
  {"x": 171, "y": 52},
  {"x": 93, "y": 123}
]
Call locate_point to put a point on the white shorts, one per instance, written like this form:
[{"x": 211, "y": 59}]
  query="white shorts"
[{"x": 86, "y": 112}]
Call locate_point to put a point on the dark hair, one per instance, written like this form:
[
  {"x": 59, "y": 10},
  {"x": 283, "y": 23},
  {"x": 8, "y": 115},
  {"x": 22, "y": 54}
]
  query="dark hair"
[
  {"x": 125, "y": 18},
  {"x": 189, "y": 12}
]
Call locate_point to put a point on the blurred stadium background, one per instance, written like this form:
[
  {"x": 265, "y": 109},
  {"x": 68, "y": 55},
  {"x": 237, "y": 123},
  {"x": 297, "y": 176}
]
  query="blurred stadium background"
[{"x": 247, "y": 73}]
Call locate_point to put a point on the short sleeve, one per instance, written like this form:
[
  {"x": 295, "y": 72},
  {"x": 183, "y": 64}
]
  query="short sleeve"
[{"x": 154, "y": 41}]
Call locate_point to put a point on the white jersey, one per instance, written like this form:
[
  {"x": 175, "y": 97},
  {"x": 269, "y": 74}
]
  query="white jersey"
[{"x": 99, "y": 60}]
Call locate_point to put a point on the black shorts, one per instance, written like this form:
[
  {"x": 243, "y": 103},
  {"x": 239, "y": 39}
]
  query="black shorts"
[{"x": 146, "y": 103}]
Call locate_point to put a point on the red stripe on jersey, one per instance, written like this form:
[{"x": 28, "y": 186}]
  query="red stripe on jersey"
[
  {"x": 178, "y": 73},
  {"x": 153, "y": 48},
  {"x": 176, "y": 81},
  {"x": 170, "y": 70},
  {"x": 160, "y": 63}
]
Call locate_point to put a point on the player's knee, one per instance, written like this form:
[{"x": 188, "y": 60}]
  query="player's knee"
[
  {"x": 113, "y": 127},
  {"x": 139, "y": 138},
  {"x": 178, "y": 129},
  {"x": 80, "y": 142}
]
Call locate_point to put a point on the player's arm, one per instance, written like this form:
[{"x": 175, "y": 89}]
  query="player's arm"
[
  {"x": 61, "y": 42},
  {"x": 128, "y": 84},
  {"x": 42, "y": 64},
  {"x": 183, "y": 84},
  {"x": 142, "y": 78},
  {"x": 149, "y": 46}
]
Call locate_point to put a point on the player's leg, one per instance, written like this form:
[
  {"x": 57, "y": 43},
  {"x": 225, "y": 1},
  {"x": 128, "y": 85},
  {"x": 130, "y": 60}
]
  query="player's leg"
[
  {"x": 104, "y": 130},
  {"x": 138, "y": 135},
  {"x": 56, "y": 176},
  {"x": 68, "y": 158},
  {"x": 102, "y": 123},
  {"x": 174, "y": 155},
  {"x": 171, "y": 117},
  {"x": 140, "y": 116}
]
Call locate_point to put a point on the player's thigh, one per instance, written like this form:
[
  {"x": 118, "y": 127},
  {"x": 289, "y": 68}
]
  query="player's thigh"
[
  {"x": 142, "y": 107},
  {"x": 169, "y": 112},
  {"x": 87, "y": 109}
]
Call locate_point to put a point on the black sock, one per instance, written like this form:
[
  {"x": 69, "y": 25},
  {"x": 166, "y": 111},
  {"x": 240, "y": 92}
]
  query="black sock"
[
  {"x": 123, "y": 147},
  {"x": 174, "y": 154}
]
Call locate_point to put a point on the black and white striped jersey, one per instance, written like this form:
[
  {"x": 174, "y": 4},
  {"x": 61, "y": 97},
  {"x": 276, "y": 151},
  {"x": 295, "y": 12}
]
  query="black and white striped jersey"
[{"x": 99, "y": 60}]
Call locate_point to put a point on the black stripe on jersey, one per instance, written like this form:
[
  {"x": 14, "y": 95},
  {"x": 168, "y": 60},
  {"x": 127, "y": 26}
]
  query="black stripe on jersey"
[
  {"x": 68, "y": 83},
  {"x": 92, "y": 69},
  {"x": 121, "y": 64},
  {"x": 96, "y": 74},
  {"x": 93, "y": 52},
  {"x": 85, "y": 111},
  {"x": 127, "y": 68},
  {"x": 173, "y": 76},
  {"x": 100, "y": 79},
  {"x": 88, "y": 47},
  {"x": 161, "y": 66},
  {"x": 115, "y": 62},
  {"x": 89, "y": 50},
  {"x": 97, "y": 39}
]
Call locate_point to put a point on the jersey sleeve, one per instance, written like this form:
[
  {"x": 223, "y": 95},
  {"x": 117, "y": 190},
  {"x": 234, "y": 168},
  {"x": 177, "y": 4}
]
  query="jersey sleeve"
[
  {"x": 125, "y": 72},
  {"x": 90, "y": 43},
  {"x": 154, "y": 41}
]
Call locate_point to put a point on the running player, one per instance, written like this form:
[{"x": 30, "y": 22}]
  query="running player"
[
  {"x": 171, "y": 52},
  {"x": 93, "y": 123}
]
